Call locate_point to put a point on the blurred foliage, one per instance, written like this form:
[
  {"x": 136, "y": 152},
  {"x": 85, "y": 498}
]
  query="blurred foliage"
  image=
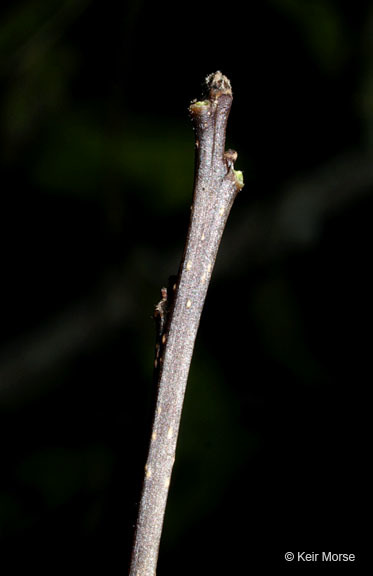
[
  {"x": 75, "y": 161},
  {"x": 322, "y": 26},
  {"x": 97, "y": 174}
]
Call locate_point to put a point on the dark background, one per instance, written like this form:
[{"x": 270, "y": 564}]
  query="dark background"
[{"x": 97, "y": 158}]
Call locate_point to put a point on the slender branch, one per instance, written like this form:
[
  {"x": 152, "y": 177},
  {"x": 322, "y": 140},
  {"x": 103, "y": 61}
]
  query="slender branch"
[{"x": 216, "y": 185}]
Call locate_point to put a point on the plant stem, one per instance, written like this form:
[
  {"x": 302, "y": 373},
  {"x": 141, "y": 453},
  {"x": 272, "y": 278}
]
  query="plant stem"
[{"x": 215, "y": 188}]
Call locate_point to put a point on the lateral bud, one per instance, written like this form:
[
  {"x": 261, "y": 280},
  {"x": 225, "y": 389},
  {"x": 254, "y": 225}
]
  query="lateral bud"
[{"x": 230, "y": 158}]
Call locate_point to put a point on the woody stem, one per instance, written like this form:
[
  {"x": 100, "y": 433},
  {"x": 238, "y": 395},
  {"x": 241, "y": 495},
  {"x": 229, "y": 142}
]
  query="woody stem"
[{"x": 216, "y": 186}]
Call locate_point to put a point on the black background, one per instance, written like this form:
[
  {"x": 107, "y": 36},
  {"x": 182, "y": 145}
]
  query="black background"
[{"x": 97, "y": 174}]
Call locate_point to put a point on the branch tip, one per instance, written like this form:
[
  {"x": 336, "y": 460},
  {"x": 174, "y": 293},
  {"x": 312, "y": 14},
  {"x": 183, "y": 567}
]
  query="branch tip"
[{"x": 218, "y": 84}]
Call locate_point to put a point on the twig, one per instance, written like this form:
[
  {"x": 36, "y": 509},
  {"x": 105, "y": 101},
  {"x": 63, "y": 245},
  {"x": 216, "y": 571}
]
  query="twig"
[{"x": 215, "y": 188}]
